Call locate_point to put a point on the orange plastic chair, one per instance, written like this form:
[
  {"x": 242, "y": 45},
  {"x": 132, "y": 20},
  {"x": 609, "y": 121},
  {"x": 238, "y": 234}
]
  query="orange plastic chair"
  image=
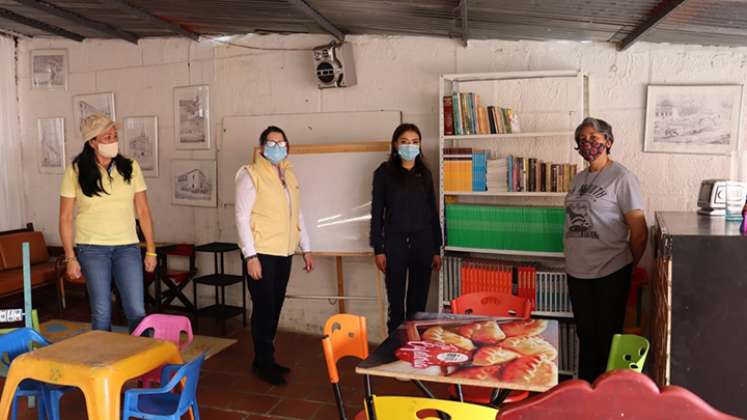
[
  {"x": 490, "y": 304},
  {"x": 344, "y": 335}
]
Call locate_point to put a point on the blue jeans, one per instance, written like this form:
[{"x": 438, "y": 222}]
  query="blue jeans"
[{"x": 99, "y": 264}]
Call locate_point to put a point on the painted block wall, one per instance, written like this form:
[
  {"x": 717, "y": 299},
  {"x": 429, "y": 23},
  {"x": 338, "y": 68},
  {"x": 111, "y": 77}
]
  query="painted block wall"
[{"x": 393, "y": 73}]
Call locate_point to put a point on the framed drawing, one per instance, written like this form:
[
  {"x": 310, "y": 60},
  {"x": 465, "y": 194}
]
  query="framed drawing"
[
  {"x": 51, "y": 133},
  {"x": 194, "y": 183},
  {"x": 141, "y": 143},
  {"x": 49, "y": 69},
  {"x": 701, "y": 119},
  {"x": 85, "y": 105},
  {"x": 192, "y": 117}
]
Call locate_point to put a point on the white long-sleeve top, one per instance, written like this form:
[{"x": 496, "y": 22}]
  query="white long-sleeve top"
[{"x": 246, "y": 195}]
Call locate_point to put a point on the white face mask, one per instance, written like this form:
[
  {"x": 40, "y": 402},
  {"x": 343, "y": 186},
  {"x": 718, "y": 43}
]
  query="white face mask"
[{"x": 110, "y": 150}]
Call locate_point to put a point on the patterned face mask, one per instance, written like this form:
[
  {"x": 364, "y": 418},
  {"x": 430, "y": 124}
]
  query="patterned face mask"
[{"x": 590, "y": 150}]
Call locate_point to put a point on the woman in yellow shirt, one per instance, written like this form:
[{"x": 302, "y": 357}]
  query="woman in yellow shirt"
[{"x": 109, "y": 191}]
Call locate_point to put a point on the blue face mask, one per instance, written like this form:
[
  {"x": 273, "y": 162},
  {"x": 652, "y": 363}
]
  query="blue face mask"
[
  {"x": 408, "y": 152},
  {"x": 275, "y": 154}
]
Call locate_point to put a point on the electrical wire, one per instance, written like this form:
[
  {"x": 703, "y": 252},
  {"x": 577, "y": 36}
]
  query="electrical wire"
[{"x": 249, "y": 47}]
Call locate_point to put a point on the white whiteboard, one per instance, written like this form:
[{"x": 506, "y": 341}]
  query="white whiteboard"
[{"x": 335, "y": 187}]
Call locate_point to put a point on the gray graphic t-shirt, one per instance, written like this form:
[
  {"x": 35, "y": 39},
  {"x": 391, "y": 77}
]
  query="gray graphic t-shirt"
[{"x": 596, "y": 235}]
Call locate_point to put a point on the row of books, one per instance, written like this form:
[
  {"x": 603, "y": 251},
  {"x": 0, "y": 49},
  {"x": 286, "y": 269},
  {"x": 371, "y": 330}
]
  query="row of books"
[
  {"x": 463, "y": 115},
  {"x": 533, "y": 175},
  {"x": 569, "y": 348},
  {"x": 480, "y": 275},
  {"x": 458, "y": 169},
  {"x": 547, "y": 289}
]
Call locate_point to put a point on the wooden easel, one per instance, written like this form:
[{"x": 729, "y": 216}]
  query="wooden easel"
[{"x": 341, "y": 297}]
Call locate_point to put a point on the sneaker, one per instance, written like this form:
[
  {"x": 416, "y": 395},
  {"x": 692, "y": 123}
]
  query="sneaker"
[{"x": 269, "y": 374}]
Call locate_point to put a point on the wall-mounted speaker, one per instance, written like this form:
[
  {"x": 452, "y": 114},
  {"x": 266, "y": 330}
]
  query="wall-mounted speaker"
[{"x": 334, "y": 66}]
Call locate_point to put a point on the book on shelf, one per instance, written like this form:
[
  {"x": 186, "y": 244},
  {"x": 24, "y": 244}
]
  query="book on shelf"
[
  {"x": 470, "y": 117},
  {"x": 448, "y": 116}
]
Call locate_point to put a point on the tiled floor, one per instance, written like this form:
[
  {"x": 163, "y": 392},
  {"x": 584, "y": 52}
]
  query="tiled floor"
[{"x": 228, "y": 390}]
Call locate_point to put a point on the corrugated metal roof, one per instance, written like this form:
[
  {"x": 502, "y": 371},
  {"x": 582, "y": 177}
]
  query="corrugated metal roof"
[{"x": 720, "y": 22}]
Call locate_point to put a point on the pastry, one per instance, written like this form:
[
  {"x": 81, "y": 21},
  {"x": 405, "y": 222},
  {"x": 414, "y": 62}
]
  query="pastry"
[
  {"x": 529, "y": 370},
  {"x": 486, "y": 332},
  {"x": 493, "y": 355},
  {"x": 483, "y": 373},
  {"x": 524, "y": 327},
  {"x": 440, "y": 335},
  {"x": 530, "y": 346}
]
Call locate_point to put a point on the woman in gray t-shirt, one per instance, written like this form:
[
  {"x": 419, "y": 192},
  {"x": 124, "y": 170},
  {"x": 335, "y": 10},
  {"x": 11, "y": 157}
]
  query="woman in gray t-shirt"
[{"x": 605, "y": 237}]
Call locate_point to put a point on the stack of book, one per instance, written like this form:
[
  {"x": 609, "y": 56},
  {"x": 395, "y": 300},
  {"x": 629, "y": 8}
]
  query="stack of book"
[
  {"x": 497, "y": 175},
  {"x": 485, "y": 275},
  {"x": 533, "y": 175},
  {"x": 458, "y": 169},
  {"x": 463, "y": 115}
]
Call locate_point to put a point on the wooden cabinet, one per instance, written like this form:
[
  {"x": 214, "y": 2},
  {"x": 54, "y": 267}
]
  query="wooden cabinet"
[{"x": 699, "y": 339}]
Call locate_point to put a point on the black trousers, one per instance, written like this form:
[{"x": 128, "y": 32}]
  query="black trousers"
[
  {"x": 268, "y": 295},
  {"x": 599, "y": 312},
  {"x": 409, "y": 258}
]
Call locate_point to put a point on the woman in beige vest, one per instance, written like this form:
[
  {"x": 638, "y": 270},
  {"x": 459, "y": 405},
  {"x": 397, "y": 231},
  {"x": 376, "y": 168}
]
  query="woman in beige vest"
[{"x": 271, "y": 228}]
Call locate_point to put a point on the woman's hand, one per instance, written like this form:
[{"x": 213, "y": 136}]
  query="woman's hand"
[
  {"x": 72, "y": 269},
  {"x": 381, "y": 262},
  {"x": 436, "y": 263},
  {"x": 308, "y": 262},
  {"x": 254, "y": 268},
  {"x": 150, "y": 263}
]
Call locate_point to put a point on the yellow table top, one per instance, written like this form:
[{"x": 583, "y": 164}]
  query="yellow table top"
[{"x": 97, "y": 349}]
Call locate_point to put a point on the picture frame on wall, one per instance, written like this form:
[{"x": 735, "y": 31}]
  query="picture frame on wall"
[
  {"x": 695, "y": 119},
  {"x": 192, "y": 117},
  {"x": 49, "y": 69},
  {"x": 194, "y": 182},
  {"x": 85, "y": 105},
  {"x": 141, "y": 143},
  {"x": 51, "y": 143}
]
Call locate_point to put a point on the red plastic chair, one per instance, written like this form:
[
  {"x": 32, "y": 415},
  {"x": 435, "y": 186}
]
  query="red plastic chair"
[
  {"x": 620, "y": 394},
  {"x": 165, "y": 327},
  {"x": 640, "y": 279},
  {"x": 490, "y": 304}
]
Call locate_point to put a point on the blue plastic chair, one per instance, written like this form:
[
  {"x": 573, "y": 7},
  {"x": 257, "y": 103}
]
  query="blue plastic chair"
[
  {"x": 14, "y": 344},
  {"x": 162, "y": 403}
]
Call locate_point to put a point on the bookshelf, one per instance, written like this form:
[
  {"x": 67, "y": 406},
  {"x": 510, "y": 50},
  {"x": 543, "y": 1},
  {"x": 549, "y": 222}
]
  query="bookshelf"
[{"x": 548, "y": 106}]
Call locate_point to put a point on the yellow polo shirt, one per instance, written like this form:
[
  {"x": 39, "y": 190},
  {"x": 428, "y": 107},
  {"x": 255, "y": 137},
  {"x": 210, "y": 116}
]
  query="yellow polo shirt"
[{"x": 106, "y": 219}]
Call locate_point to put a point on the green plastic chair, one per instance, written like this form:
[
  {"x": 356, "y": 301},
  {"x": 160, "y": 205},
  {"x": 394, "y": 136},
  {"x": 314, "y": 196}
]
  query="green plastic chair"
[{"x": 628, "y": 351}]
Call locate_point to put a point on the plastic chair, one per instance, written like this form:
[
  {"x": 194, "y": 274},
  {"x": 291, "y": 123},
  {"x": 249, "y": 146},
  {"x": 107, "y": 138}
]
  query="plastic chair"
[
  {"x": 633, "y": 306},
  {"x": 14, "y": 344},
  {"x": 344, "y": 335},
  {"x": 161, "y": 403},
  {"x": 628, "y": 351},
  {"x": 490, "y": 304},
  {"x": 165, "y": 327},
  {"x": 407, "y": 408}
]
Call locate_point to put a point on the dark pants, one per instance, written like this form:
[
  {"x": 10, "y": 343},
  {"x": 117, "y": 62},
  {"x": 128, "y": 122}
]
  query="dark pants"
[
  {"x": 407, "y": 254},
  {"x": 599, "y": 312},
  {"x": 268, "y": 294}
]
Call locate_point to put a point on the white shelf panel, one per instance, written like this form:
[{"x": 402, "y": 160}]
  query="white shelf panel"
[
  {"x": 506, "y": 194},
  {"x": 554, "y": 314},
  {"x": 474, "y": 77},
  {"x": 512, "y": 135},
  {"x": 506, "y": 252}
]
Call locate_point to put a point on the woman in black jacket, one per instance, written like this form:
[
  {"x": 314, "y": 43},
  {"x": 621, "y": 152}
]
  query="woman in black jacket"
[{"x": 405, "y": 228}]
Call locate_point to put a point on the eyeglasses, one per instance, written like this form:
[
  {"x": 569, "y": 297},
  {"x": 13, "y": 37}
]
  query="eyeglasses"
[
  {"x": 108, "y": 138},
  {"x": 273, "y": 144}
]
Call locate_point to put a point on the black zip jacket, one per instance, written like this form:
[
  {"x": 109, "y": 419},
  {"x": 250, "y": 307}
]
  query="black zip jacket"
[{"x": 404, "y": 202}]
